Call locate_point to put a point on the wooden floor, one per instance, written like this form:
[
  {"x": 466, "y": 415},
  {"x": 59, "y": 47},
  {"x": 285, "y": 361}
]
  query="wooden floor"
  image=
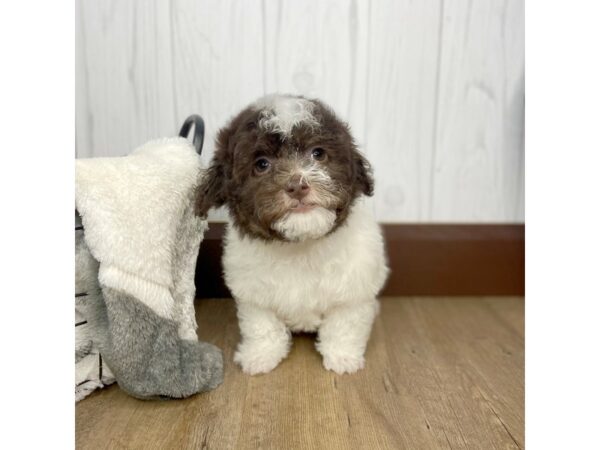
[{"x": 440, "y": 373}]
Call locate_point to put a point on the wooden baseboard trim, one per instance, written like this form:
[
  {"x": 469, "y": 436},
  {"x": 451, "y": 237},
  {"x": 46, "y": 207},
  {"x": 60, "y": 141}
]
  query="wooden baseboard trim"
[{"x": 425, "y": 259}]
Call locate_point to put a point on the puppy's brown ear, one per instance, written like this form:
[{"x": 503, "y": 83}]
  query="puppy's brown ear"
[
  {"x": 212, "y": 191},
  {"x": 364, "y": 173}
]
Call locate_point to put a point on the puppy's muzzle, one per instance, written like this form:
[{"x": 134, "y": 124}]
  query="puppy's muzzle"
[{"x": 297, "y": 187}]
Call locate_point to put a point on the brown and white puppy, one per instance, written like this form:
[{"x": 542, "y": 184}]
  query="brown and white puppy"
[{"x": 302, "y": 252}]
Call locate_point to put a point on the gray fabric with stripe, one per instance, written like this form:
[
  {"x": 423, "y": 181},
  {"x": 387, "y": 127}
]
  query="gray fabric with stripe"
[{"x": 145, "y": 353}]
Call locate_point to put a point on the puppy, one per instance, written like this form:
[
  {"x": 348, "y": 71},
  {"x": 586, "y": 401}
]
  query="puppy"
[{"x": 302, "y": 252}]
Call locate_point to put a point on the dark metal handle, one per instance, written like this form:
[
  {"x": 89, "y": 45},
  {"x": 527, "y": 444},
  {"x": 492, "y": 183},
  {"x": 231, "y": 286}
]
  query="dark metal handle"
[{"x": 198, "y": 139}]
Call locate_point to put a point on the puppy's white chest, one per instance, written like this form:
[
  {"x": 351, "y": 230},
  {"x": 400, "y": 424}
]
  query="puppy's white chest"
[
  {"x": 294, "y": 279},
  {"x": 305, "y": 280}
]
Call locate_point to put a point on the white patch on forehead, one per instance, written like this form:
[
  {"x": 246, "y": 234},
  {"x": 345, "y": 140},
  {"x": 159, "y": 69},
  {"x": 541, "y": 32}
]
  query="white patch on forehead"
[{"x": 281, "y": 113}]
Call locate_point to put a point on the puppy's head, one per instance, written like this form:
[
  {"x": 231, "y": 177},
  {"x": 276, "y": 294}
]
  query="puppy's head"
[{"x": 287, "y": 168}]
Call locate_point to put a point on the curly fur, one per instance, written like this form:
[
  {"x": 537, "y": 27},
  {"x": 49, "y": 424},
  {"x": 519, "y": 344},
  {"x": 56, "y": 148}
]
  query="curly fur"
[{"x": 312, "y": 261}]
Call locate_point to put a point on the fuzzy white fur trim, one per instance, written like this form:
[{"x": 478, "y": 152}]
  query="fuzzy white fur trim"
[{"x": 132, "y": 208}]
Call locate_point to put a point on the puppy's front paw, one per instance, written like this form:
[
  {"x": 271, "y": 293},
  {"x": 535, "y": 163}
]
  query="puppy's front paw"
[
  {"x": 253, "y": 362},
  {"x": 341, "y": 364}
]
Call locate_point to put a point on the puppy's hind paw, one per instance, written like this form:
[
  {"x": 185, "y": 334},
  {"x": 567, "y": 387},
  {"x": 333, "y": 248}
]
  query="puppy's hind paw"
[{"x": 341, "y": 364}]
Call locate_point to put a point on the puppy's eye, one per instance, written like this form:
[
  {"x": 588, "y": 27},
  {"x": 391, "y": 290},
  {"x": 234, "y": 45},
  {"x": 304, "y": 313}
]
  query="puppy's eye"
[
  {"x": 261, "y": 165},
  {"x": 318, "y": 154}
]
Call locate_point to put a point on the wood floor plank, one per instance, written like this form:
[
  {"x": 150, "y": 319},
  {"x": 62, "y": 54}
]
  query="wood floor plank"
[
  {"x": 216, "y": 417},
  {"x": 102, "y": 416},
  {"x": 492, "y": 357},
  {"x": 286, "y": 400},
  {"x": 411, "y": 364},
  {"x": 510, "y": 310},
  {"x": 440, "y": 373},
  {"x": 478, "y": 364},
  {"x": 385, "y": 399}
]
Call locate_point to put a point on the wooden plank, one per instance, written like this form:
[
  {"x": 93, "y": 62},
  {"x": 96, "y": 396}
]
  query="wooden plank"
[
  {"x": 101, "y": 417},
  {"x": 455, "y": 259},
  {"x": 381, "y": 401},
  {"x": 476, "y": 362},
  {"x": 435, "y": 98},
  {"x": 216, "y": 421},
  {"x": 400, "y": 108},
  {"x": 124, "y": 76},
  {"x": 285, "y": 399},
  {"x": 319, "y": 409},
  {"x": 217, "y": 60},
  {"x": 319, "y": 49},
  {"x": 510, "y": 312},
  {"x": 479, "y": 151},
  {"x": 438, "y": 375}
]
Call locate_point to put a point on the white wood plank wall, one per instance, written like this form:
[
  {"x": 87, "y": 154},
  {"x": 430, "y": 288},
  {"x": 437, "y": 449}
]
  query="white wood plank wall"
[{"x": 433, "y": 89}]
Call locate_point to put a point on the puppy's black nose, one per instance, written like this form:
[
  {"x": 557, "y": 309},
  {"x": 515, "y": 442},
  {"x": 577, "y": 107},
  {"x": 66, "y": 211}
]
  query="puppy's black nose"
[{"x": 297, "y": 187}]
